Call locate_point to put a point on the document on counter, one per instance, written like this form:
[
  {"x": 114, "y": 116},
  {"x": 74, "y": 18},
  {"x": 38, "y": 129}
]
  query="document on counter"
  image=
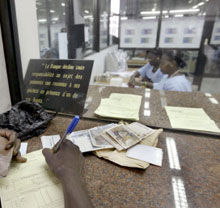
[
  {"x": 152, "y": 155},
  {"x": 191, "y": 118},
  {"x": 121, "y": 106},
  {"x": 31, "y": 184},
  {"x": 49, "y": 141},
  {"x": 83, "y": 140},
  {"x": 23, "y": 148}
]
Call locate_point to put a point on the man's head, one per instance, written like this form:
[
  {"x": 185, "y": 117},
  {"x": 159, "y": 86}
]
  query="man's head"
[{"x": 154, "y": 57}]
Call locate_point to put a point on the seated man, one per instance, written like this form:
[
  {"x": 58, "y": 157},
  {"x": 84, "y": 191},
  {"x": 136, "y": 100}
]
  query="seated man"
[
  {"x": 149, "y": 72},
  {"x": 173, "y": 79}
]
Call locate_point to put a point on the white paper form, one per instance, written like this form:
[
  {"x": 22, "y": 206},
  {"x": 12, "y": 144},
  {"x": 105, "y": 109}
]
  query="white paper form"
[
  {"x": 49, "y": 141},
  {"x": 23, "y": 148},
  {"x": 31, "y": 184},
  {"x": 146, "y": 153}
]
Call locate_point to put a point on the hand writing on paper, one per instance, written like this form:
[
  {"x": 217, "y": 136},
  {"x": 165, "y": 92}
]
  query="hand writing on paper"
[{"x": 67, "y": 164}]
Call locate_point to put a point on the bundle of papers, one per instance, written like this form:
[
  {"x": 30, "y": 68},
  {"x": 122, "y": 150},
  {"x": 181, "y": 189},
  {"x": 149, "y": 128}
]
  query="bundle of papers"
[
  {"x": 110, "y": 136},
  {"x": 120, "y": 106},
  {"x": 117, "y": 143},
  {"x": 191, "y": 118}
]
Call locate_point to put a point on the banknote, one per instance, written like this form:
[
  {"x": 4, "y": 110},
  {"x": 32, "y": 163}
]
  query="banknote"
[
  {"x": 83, "y": 140},
  {"x": 97, "y": 137},
  {"x": 123, "y": 136},
  {"x": 111, "y": 140},
  {"x": 140, "y": 130}
]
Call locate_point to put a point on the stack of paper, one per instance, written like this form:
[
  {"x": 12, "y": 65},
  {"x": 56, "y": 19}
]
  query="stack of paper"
[
  {"x": 110, "y": 136},
  {"x": 91, "y": 139},
  {"x": 120, "y": 137},
  {"x": 121, "y": 106},
  {"x": 103, "y": 137},
  {"x": 191, "y": 118},
  {"x": 126, "y": 136},
  {"x": 31, "y": 184}
]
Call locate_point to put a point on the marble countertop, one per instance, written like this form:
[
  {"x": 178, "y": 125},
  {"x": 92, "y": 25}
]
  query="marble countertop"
[
  {"x": 189, "y": 176},
  {"x": 155, "y": 115}
]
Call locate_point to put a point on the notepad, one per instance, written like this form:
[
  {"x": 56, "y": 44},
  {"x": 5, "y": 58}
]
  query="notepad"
[
  {"x": 120, "y": 106},
  {"x": 191, "y": 118},
  {"x": 31, "y": 184}
]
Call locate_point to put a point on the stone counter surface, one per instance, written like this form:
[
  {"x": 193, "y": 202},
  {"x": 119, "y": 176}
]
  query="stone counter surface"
[
  {"x": 189, "y": 176},
  {"x": 158, "y": 99}
]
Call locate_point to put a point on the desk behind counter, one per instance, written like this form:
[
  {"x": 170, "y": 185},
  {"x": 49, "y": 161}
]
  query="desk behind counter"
[
  {"x": 189, "y": 176},
  {"x": 152, "y": 111}
]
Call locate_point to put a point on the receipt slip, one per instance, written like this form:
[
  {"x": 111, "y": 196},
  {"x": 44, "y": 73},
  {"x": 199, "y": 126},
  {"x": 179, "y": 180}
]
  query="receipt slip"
[{"x": 146, "y": 153}]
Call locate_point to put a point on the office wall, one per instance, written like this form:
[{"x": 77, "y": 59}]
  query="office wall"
[
  {"x": 27, "y": 31},
  {"x": 5, "y": 102},
  {"x": 99, "y": 61}
]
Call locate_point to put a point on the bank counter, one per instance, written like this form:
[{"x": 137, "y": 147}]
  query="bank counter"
[
  {"x": 155, "y": 115},
  {"x": 189, "y": 176},
  {"x": 190, "y": 173}
]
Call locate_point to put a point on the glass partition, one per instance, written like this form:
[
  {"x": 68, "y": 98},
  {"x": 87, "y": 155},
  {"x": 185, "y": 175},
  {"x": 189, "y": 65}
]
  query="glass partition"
[
  {"x": 104, "y": 23},
  {"x": 88, "y": 29}
]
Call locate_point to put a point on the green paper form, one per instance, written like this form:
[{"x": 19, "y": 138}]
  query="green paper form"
[
  {"x": 120, "y": 106},
  {"x": 191, "y": 118}
]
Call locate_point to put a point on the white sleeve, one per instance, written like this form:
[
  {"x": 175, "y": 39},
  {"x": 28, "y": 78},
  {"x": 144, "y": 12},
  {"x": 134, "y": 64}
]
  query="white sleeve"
[{"x": 142, "y": 70}]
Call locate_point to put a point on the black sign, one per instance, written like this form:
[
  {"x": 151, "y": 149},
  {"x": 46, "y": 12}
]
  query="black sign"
[{"x": 58, "y": 85}]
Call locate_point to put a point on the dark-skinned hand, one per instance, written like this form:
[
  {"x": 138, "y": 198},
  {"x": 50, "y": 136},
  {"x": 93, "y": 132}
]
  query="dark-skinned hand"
[
  {"x": 13, "y": 141},
  {"x": 66, "y": 162}
]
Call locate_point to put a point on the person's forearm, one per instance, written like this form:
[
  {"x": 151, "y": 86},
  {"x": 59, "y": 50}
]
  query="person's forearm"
[
  {"x": 75, "y": 194},
  {"x": 149, "y": 85},
  {"x": 136, "y": 74}
]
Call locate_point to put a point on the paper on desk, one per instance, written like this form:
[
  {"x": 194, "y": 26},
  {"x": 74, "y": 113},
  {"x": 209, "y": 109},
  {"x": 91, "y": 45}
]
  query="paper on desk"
[
  {"x": 145, "y": 153},
  {"x": 121, "y": 106},
  {"x": 23, "y": 148},
  {"x": 190, "y": 118},
  {"x": 49, "y": 141},
  {"x": 83, "y": 140},
  {"x": 31, "y": 184},
  {"x": 120, "y": 158}
]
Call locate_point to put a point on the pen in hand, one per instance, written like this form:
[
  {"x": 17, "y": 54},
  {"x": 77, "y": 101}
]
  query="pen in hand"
[{"x": 69, "y": 130}]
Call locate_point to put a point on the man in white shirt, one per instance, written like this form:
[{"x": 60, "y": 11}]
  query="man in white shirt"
[{"x": 149, "y": 72}]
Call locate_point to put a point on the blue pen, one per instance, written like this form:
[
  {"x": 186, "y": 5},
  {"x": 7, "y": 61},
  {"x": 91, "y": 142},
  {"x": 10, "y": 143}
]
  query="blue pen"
[{"x": 69, "y": 130}]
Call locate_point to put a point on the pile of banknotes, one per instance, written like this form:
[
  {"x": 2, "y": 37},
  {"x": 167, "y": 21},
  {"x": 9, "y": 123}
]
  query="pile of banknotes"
[{"x": 120, "y": 137}]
